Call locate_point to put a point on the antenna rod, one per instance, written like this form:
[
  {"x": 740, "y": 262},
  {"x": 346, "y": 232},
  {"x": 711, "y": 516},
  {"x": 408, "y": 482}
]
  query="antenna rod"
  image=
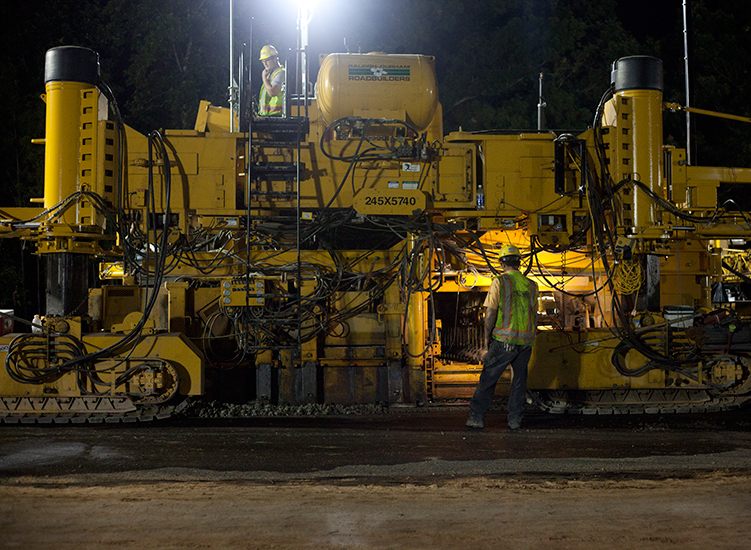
[
  {"x": 304, "y": 15},
  {"x": 541, "y": 109},
  {"x": 232, "y": 86},
  {"x": 685, "y": 65}
]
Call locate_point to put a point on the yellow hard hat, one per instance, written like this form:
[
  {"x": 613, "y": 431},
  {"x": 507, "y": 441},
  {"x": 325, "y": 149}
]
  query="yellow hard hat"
[
  {"x": 509, "y": 250},
  {"x": 267, "y": 52}
]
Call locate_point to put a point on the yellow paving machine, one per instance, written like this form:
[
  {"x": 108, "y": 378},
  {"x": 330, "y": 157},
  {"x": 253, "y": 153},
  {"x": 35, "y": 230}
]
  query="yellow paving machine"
[{"x": 341, "y": 253}]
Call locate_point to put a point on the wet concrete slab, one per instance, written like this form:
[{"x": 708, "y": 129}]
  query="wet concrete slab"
[{"x": 418, "y": 444}]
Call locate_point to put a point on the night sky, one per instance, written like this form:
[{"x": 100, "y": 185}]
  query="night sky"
[
  {"x": 371, "y": 24},
  {"x": 460, "y": 36}
]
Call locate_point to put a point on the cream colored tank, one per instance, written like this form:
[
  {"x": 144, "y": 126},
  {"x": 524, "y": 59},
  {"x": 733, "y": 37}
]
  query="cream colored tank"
[{"x": 378, "y": 85}]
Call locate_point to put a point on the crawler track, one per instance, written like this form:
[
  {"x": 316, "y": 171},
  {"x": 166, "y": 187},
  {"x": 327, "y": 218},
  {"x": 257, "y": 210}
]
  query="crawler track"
[
  {"x": 666, "y": 401},
  {"x": 81, "y": 410}
]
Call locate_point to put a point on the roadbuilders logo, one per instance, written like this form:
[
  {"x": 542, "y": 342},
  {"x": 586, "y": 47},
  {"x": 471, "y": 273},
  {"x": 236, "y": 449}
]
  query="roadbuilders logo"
[{"x": 384, "y": 73}]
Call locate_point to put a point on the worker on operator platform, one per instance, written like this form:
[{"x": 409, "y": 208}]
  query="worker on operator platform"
[
  {"x": 510, "y": 329},
  {"x": 271, "y": 98}
]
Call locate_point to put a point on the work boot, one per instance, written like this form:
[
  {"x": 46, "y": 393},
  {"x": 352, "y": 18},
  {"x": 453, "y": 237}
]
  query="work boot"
[
  {"x": 474, "y": 422},
  {"x": 514, "y": 424}
]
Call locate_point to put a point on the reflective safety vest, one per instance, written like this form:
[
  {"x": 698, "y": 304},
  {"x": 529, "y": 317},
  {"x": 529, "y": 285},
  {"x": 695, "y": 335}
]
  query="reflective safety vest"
[
  {"x": 517, "y": 310},
  {"x": 271, "y": 105}
]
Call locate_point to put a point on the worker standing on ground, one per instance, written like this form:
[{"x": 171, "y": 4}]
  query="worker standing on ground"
[
  {"x": 510, "y": 329},
  {"x": 272, "y": 91}
]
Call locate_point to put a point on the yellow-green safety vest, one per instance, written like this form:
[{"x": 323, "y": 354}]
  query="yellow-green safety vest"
[
  {"x": 517, "y": 310},
  {"x": 271, "y": 105}
]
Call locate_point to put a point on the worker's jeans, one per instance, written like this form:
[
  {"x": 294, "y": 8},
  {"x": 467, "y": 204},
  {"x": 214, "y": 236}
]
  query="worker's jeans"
[{"x": 496, "y": 361}]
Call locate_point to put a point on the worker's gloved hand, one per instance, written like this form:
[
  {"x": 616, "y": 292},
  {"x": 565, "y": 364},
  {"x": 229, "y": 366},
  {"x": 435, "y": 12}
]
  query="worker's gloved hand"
[{"x": 480, "y": 353}]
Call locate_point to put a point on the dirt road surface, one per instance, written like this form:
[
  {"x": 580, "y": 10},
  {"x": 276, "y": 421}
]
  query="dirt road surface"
[
  {"x": 574, "y": 483},
  {"x": 709, "y": 511}
]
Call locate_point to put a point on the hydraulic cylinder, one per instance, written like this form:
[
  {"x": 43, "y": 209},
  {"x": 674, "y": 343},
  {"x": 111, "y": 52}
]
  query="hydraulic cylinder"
[{"x": 638, "y": 86}]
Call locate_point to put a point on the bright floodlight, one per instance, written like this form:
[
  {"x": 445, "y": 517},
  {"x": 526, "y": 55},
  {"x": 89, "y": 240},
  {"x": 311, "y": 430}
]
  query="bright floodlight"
[
  {"x": 306, "y": 6},
  {"x": 304, "y": 15}
]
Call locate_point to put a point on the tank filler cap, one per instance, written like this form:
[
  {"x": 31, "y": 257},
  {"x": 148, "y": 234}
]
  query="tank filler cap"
[
  {"x": 638, "y": 72},
  {"x": 71, "y": 64}
]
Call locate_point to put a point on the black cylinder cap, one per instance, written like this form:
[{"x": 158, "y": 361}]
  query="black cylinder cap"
[
  {"x": 638, "y": 72},
  {"x": 71, "y": 64}
]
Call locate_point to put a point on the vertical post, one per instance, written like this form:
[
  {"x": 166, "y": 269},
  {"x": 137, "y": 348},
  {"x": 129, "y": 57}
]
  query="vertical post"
[
  {"x": 305, "y": 78},
  {"x": 70, "y": 73},
  {"x": 541, "y": 109},
  {"x": 232, "y": 87},
  {"x": 303, "y": 18},
  {"x": 248, "y": 168},
  {"x": 685, "y": 70}
]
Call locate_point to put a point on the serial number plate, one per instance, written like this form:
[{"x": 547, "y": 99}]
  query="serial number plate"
[
  {"x": 390, "y": 201},
  {"x": 406, "y": 202}
]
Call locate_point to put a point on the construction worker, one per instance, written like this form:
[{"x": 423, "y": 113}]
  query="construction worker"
[
  {"x": 510, "y": 327},
  {"x": 271, "y": 98}
]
